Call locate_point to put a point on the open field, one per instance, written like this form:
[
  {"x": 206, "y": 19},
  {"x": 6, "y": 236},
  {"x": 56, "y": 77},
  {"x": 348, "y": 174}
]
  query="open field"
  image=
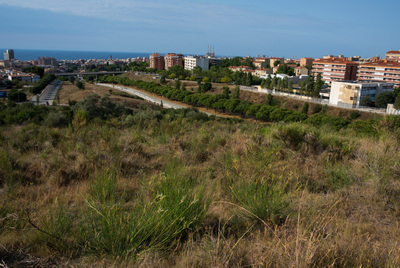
[{"x": 175, "y": 188}]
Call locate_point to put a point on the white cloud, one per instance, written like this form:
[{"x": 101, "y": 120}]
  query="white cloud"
[{"x": 184, "y": 14}]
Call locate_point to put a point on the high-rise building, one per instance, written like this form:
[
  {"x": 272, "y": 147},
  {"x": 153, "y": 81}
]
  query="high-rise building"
[
  {"x": 47, "y": 61},
  {"x": 381, "y": 70},
  {"x": 335, "y": 69},
  {"x": 156, "y": 61},
  {"x": 192, "y": 61},
  {"x": 9, "y": 54},
  {"x": 172, "y": 59}
]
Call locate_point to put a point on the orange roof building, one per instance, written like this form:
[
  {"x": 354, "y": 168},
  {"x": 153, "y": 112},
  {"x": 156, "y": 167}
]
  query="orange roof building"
[
  {"x": 393, "y": 55},
  {"x": 172, "y": 59},
  {"x": 381, "y": 70},
  {"x": 156, "y": 61},
  {"x": 335, "y": 69}
]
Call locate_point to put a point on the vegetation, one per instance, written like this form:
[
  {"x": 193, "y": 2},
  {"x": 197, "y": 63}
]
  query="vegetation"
[
  {"x": 100, "y": 184},
  {"x": 43, "y": 83}
]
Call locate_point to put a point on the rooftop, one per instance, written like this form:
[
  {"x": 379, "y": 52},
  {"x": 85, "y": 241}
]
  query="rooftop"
[
  {"x": 335, "y": 60},
  {"x": 386, "y": 63}
]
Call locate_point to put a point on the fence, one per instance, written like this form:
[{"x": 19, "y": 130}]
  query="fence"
[{"x": 316, "y": 100}]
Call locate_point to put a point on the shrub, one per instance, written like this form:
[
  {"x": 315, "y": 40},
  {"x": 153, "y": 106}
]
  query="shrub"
[
  {"x": 316, "y": 108},
  {"x": 354, "y": 115},
  {"x": 80, "y": 85},
  {"x": 56, "y": 119}
]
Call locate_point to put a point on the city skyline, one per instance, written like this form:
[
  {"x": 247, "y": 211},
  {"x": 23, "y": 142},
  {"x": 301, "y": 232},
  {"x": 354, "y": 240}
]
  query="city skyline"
[{"x": 235, "y": 28}]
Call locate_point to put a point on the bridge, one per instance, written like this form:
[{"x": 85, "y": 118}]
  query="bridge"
[{"x": 89, "y": 73}]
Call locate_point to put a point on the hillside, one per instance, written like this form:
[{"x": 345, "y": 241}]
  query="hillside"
[{"x": 101, "y": 184}]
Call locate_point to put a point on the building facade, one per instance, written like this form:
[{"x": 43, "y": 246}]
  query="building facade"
[
  {"x": 335, "y": 69},
  {"x": 47, "y": 61},
  {"x": 393, "y": 55},
  {"x": 261, "y": 63},
  {"x": 9, "y": 54},
  {"x": 157, "y": 61},
  {"x": 192, "y": 61},
  {"x": 306, "y": 62},
  {"x": 381, "y": 70},
  {"x": 350, "y": 93},
  {"x": 172, "y": 59}
]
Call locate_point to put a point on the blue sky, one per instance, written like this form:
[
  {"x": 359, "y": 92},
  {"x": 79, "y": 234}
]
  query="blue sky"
[{"x": 274, "y": 28}]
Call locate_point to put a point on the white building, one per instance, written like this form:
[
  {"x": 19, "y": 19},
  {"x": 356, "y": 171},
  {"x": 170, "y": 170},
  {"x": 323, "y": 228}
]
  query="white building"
[
  {"x": 192, "y": 61},
  {"x": 23, "y": 77},
  {"x": 350, "y": 93}
]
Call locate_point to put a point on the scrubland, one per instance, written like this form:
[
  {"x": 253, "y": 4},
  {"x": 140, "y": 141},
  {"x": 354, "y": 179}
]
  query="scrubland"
[{"x": 101, "y": 185}]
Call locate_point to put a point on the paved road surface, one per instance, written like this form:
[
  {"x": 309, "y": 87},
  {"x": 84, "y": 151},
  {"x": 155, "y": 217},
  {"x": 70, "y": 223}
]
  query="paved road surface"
[
  {"x": 48, "y": 94},
  {"x": 148, "y": 97}
]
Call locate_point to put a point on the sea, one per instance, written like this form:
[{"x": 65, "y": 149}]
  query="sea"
[{"x": 33, "y": 54}]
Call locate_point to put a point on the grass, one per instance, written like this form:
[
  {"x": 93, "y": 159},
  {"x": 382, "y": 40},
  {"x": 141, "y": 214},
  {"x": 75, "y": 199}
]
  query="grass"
[{"x": 158, "y": 188}]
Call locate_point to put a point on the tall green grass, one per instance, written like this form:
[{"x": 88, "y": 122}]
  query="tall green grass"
[{"x": 163, "y": 212}]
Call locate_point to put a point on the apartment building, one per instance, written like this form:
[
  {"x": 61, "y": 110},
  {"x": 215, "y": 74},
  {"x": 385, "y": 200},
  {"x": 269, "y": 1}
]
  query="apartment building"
[
  {"x": 335, "y": 69},
  {"x": 157, "y": 61},
  {"x": 393, "y": 55},
  {"x": 350, "y": 93},
  {"x": 306, "y": 61},
  {"x": 192, "y": 61},
  {"x": 47, "y": 61},
  {"x": 9, "y": 54},
  {"x": 274, "y": 59},
  {"x": 381, "y": 70},
  {"x": 262, "y": 72},
  {"x": 172, "y": 59},
  {"x": 261, "y": 63}
]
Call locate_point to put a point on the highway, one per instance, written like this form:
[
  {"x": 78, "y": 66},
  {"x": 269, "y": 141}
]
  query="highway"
[{"x": 48, "y": 94}]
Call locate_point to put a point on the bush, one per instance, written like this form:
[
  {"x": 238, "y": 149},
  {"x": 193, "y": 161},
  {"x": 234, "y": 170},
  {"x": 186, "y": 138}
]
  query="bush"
[
  {"x": 80, "y": 85},
  {"x": 354, "y": 115},
  {"x": 316, "y": 108},
  {"x": 56, "y": 119}
]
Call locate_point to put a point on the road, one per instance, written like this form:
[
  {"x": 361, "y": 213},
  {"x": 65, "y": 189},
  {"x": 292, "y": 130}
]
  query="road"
[
  {"x": 148, "y": 97},
  {"x": 48, "y": 94}
]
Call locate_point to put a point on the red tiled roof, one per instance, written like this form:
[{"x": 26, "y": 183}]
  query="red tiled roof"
[
  {"x": 393, "y": 52},
  {"x": 386, "y": 63},
  {"x": 335, "y": 61}
]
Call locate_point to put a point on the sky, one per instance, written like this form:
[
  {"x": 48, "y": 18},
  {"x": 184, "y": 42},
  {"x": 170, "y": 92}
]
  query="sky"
[{"x": 286, "y": 28}]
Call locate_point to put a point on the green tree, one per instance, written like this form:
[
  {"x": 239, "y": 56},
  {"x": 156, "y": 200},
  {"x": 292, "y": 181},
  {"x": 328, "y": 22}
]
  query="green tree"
[
  {"x": 366, "y": 101},
  {"x": 290, "y": 87},
  {"x": 268, "y": 82},
  {"x": 277, "y": 62},
  {"x": 206, "y": 87},
  {"x": 310, "y": 85},
  {"x": 305, "y": 108},
  {"x": 236, "y": 93},
  {"x": 317, "y": 86},
  {"x": 17, "y": 96},
  {"x": 177, "y": 84},
  {"x": 162, "y": 79},
  {"x": 80, "y": 85},
  {"x": 226, "y": 92},
  {"x": 396, "y": 104},
  {"x": 183, "y": 87},
  {"x": 383, "y": 98},
  {"x": 249, "y": 79}
]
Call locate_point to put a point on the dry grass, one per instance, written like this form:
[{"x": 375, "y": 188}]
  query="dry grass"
[
  {"x": 69, "y": 92},
  {"x": 343, "y": 211}
]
